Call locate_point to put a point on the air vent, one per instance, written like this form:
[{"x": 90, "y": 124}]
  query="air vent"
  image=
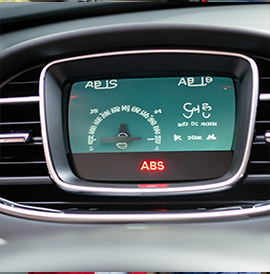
[
  {"x": 259, "y": 167},
  {"x": 22, "y": 159}
]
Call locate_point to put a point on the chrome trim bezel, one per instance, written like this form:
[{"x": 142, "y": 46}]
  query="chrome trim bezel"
[
  {"x": 43, "y": 214},
  {"x": 191, "y": 189}
]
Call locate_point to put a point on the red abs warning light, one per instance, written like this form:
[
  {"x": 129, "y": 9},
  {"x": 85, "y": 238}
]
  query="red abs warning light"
[{"x": 152, "y": 165}]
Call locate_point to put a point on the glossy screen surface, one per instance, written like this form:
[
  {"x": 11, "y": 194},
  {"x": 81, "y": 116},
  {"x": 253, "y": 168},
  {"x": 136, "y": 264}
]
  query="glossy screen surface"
[{"x": 165, "y": 114}]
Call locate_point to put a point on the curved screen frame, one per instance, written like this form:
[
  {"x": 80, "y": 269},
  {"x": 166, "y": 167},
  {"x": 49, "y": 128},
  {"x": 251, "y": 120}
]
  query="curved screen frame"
[{"x": 56, "y": 74}]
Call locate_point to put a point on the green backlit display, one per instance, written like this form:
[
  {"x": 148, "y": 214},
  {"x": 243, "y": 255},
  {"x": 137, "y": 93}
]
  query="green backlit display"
[{"x": 152, "y": 114}]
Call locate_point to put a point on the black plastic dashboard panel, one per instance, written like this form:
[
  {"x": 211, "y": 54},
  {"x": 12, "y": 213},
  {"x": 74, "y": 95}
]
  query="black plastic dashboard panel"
[
  {"x": 222, "y": 239},
  {"x": 95, "y": 245},
  {"x": 56, "y": 76},
  {"x": 64, "y": 44}
]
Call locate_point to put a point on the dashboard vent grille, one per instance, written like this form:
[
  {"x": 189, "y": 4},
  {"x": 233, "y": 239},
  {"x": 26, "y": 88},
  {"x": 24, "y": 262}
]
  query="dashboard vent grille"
[
  {"x": 259, "y": 167},
  {"x": 22, "y": 157}
]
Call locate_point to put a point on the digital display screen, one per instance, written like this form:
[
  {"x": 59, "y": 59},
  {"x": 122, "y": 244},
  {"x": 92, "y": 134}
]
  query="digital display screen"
[
  {"x": 149, "y": 118},
  {"x": 165, "y": 114}
]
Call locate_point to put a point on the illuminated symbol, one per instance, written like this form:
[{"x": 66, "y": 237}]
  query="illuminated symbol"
[
  {"x": 152, "y": 165},
  {"x": 158, "y": 111},
  {"x": 97, "y": 84},
  {"x": 211, "y": 137},
  {"x": 183, "y": 124},
  {"x": 91, "y": 139},
  {"x": 157, "y": 129},
  {"x": 156, "y": 148},
  {"x": 194, "y": 124},
  {"x": 150, "y": 139},
  {"x": 122, "y": 145},
  {"x": 190, "y": 81},
  {"x": 158, "y": 139},
  {"x": 194, "y": 138},
  {"x": 206, "y": 107},
  {"x": 191, "y": 111},
  {"x": 93, "y": 111},
  {"x": 177, "y": 137}
]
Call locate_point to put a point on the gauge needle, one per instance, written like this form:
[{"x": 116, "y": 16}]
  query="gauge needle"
[{"x": 122, "y": 139}]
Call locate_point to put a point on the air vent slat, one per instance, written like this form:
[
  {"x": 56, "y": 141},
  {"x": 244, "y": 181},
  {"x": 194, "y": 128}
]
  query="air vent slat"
[
  {"x": 24, "y": 169},
  {"x": 33, "y": 180},
  {"x": 34, "y": 128},
  {"x": 261, "y": 127},
  {"x": 24, "y": 83},
  {"x": 19, "y": 112},
  {"x": 259, "y": 166},
  {"x": 20, "y": 123},
  {"x": 37, "y": 139},
  {"x": 265, "y": 85},
  {"x": 20, "y": 90},
  {"x": 260, "y": 162},
  {"x": 259, "y": 139},
  {"x": 263, "y": 112},
  {"x": 264, "y": 68},
  {"x": 22, "y": 163},
  {"x": 260, "y": 152},
  {"x": 19, "y": 101},
  {"x": 22, "y": 152}
]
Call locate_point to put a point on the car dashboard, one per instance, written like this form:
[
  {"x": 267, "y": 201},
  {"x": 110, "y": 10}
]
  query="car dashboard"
[{"x": 135, "y": 135}]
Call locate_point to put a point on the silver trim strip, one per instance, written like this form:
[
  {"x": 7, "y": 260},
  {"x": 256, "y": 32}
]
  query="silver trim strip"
[
  {"x": 23, "y": 163},
  {"x": 23, "y": 83},
  {"x": 16, "y": 205},
  {"x": 259, "y": 176},
  {"x": 20, "y": 123},
  {"x": 265, "y": 97},
  {"x": 172, "y": 190},
  {"x": 128, "y": 217},
  {"x": 14, "y": 138},
  {"x": 26, "y": 180},
  {"x": 18, "y": 100}
]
